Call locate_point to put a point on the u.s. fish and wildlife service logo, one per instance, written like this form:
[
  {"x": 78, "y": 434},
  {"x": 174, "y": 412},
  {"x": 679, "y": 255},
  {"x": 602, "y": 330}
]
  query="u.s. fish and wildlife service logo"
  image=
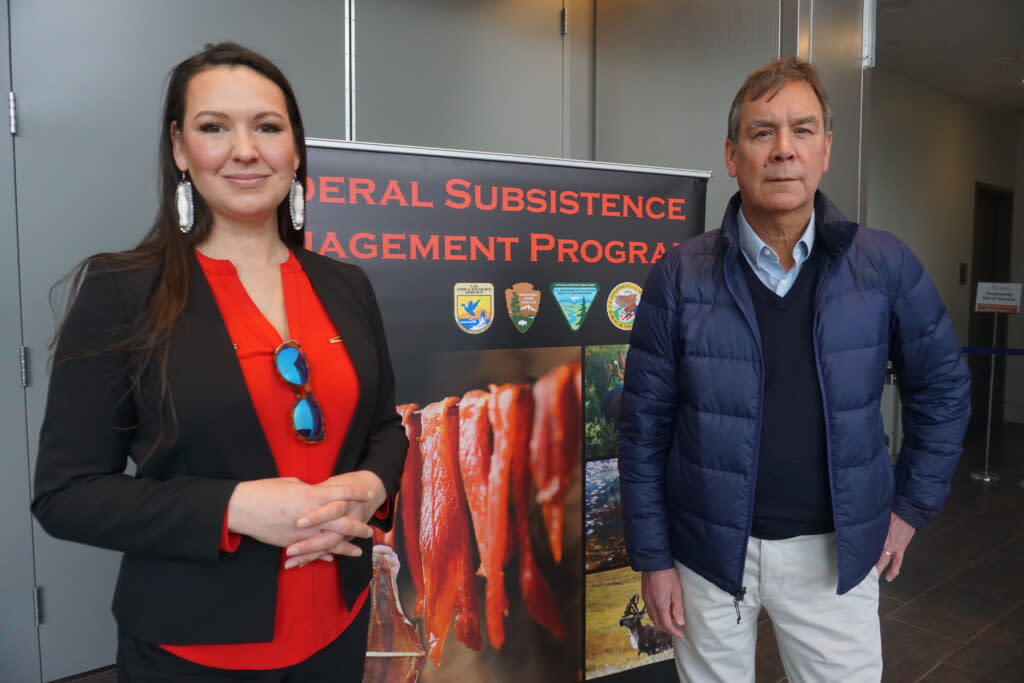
[
  {"x": 522, "y": 303},
  {"x": 575, "y": 299},
  {"x": 622, "y": 303},
  {"x": 474, "y": 306}
]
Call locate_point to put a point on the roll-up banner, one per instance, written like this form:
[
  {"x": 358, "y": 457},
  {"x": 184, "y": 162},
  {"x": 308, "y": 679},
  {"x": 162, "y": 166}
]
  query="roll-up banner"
[{"x": 508, "y": 287}]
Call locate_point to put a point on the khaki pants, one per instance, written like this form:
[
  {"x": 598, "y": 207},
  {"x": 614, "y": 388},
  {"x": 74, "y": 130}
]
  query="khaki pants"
[{"x": 822, "y": 637}]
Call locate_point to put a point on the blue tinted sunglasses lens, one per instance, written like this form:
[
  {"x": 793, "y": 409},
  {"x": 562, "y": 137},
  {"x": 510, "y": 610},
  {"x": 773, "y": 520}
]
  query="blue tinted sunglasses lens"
[
  {"x": 307, "y": 420},
  {"x": 292, "y": 365}
]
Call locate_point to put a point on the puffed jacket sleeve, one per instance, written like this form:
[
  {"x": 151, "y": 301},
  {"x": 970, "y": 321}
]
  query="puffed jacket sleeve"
[
  {"x": 81, "y": 492},
  {"x": 934, "y": 386},
  {"x": 646, "y": 423},
  {"x": 386, "y": 443}
]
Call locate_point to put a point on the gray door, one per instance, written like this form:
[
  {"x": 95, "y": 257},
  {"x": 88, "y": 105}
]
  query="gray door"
[
  {"x": 19, "y": 645},
  {"x": 89, "y": 79}
]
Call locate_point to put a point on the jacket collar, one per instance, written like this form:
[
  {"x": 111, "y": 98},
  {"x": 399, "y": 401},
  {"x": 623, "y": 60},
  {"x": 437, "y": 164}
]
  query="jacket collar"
[
  {"x": 832, "y": 230},
  {"x": 345, "y": 307}
]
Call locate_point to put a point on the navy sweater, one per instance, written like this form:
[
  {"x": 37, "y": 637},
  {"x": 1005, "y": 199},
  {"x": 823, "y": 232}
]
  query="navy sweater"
[{"x": 792, "y": 495}]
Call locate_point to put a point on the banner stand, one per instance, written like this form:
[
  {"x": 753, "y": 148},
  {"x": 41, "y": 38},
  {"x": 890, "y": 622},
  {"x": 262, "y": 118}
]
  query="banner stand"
[
  {"x": 985, "y": 476},
  {"x": 498, "y": 277}
]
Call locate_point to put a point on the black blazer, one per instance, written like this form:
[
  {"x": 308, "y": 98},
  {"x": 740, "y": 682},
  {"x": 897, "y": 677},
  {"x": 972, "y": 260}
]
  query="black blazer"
[{"x": 175, "y": 586}]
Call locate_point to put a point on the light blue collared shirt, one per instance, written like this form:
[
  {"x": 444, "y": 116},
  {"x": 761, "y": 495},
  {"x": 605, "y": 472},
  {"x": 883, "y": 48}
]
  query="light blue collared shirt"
[{"x": 764, "y": 260}]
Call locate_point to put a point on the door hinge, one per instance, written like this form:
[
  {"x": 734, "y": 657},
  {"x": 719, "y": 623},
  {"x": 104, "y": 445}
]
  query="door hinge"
[
  {"x": 38, "y": 604},
  {"x": 24, "y": 366},
  {"x": 12, "y": 109},
  {"x": 564, "y": 26}
]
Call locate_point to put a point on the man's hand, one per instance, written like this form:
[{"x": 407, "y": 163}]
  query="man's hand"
[
  {"x": 663, "y": 599},
  {"x": 895, "y": 547}
]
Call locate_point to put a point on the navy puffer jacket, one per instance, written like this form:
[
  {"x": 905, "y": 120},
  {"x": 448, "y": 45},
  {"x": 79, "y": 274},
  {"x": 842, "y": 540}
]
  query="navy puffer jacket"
[{"x": 691, "y": 407}]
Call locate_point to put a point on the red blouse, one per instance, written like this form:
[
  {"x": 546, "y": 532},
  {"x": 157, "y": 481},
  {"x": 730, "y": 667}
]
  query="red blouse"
[{"x": 311, "y": 611}]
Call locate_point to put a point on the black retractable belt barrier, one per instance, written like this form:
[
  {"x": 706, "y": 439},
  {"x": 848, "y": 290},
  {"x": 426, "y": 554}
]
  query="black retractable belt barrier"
[{"x": 986, "y": 476}]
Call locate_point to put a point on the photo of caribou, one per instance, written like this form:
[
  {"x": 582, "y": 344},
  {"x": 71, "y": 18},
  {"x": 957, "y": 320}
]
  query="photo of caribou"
[
  {"x": 609, "y": 649},
  {"x": 645, "y": 638}
]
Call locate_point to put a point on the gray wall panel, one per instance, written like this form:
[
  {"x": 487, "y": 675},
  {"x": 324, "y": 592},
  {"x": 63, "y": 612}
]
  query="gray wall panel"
[
  {"x": 460, "y": 73},
  {"x": 795, "y": 27},
  {"x": 836, "y": 51},
  {"x": 579, "y": 79},
  {"x": 19, "y": 639},
  {"x": 86, "y": 174},
  {"x": 667, "y": 71}
]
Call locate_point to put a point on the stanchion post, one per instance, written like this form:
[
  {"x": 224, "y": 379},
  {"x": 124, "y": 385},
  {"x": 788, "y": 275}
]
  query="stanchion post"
[{"x": 985, "y": 476}]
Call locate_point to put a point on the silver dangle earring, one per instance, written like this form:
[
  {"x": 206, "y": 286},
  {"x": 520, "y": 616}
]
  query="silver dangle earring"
[
  {"x": 185, "y": 205},
  {"x": 297, "y": 204}
]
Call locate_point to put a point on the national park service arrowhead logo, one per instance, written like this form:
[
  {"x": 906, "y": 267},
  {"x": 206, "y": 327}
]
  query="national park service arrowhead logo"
[
  {"x": 622, "y": 303},
  {"x": 474, "y": 306},
  {"x": 523, "y": 303},
  {"x": 574, "y": 299}
]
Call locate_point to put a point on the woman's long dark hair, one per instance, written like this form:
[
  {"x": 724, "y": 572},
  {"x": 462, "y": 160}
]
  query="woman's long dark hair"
[{"x": 164, "y": 249}]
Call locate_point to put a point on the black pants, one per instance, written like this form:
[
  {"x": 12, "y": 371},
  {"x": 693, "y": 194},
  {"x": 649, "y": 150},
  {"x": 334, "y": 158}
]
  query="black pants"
[{"x": 339, "y": 662}]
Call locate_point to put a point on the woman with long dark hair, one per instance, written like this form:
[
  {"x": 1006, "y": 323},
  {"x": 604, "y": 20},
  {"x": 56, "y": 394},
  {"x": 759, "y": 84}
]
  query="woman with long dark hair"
[{"x": 249, "y": 382}]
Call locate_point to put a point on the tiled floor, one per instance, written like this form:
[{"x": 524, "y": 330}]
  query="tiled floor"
[{"x": 956, "y": 612}]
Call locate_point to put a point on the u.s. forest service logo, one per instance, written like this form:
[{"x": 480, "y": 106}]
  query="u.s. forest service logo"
[
  {"x": 574, "y": 300},
  {"x": 523, "y": 303},
  {"x": 622, "y": 303},
  {"x": 474, "y": 306}
]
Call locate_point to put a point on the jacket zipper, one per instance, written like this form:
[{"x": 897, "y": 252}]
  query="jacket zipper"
[
  {"x": 821, "y": 387},
  {"x": 738, "y": 597}
]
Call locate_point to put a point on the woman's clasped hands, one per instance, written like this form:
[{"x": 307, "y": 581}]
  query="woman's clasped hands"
[{"x": 311, "y": 521}]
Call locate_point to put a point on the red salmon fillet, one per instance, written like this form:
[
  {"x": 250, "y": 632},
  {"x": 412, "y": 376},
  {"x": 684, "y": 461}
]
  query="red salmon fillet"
[
  {"x": 444, "y": 534},
  {"x": 540, "y": 602},
  {"x": 508, "y": 406},
  {"x": 555, "y": 445},
  {"x": 475, "y": 461}
]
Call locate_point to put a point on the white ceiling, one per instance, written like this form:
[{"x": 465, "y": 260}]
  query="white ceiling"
[{"x": 970, "y": 49}]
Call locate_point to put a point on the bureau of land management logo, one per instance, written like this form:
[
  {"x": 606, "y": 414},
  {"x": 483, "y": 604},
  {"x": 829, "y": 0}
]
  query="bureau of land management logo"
[
  {"x": 474, "y": 306},
  {"x": 574, "y": 299},
  {"x": 622, "y": 303}
]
